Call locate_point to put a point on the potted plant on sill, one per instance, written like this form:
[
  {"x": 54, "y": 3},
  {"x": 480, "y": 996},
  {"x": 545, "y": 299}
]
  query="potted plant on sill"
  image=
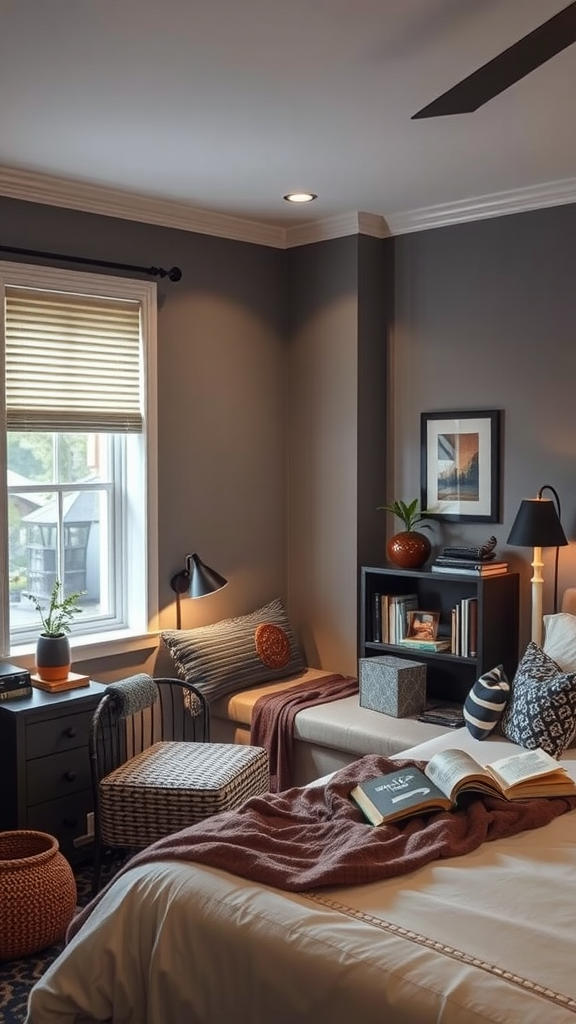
[
  {"x": 53, "y": 658},
  {"x": 410, "y": 548}
]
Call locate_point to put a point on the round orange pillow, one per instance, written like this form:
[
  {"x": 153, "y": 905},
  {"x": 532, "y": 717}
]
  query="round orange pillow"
[{"x": 272, "y": 645}]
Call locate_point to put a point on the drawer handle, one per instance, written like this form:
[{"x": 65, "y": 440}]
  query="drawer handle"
[
  {"x": 71, "y": 732},
  {"x": 70, "y": 776}
]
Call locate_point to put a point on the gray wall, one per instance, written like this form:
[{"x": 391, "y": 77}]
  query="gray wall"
[
  {"x": 222, "y": 401},
  {"x": 337, "y": 416},
  {"x": 485, "y": 318},
  {"x": 291, "y": 386}
]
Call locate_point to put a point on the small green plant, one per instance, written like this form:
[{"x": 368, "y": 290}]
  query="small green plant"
[
  {"x": 409, "y": 514},
  {"x": 56, "y": 619}
]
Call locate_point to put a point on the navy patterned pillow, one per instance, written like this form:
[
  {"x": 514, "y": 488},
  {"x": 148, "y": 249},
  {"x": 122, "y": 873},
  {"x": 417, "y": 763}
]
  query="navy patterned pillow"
[
  {"x": 484, "y": 705},
  {"x": 541, "y": 711}
]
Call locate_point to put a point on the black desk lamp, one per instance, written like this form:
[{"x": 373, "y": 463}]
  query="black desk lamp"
[
  {"x": 537, "y": 525},
  {"x": 195, "y": 580}
]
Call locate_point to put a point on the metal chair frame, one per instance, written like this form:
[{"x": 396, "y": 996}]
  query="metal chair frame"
[{"x": 114, "y": 740}]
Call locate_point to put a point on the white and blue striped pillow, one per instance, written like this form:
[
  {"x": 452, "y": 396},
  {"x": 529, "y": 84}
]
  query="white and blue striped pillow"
[{"x": 484, "y": 705}]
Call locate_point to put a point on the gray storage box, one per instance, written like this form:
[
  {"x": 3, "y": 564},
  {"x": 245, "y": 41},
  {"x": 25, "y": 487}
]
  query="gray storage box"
[{"x": 394, "y": 686}]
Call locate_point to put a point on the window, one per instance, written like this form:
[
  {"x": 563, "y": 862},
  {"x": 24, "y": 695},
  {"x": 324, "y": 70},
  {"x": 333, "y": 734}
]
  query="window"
[{"x": 79, "y": 453}]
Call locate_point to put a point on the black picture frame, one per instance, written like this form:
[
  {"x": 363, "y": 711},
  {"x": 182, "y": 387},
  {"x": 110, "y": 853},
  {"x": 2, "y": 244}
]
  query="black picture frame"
[{"x": 460, "y": 466}]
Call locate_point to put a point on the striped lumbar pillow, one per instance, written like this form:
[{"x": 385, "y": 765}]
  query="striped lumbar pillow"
[
  {"x": 485, "y": 703},
  {"x": 233, "y": 654}
]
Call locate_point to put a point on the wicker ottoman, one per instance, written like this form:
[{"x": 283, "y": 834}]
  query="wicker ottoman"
[{"x": 172, "y": 785}]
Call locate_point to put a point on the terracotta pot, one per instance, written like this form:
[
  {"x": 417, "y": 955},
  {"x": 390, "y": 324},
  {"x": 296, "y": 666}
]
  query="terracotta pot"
[
  {"x": 53, "y": 657},
  {"x": 37, "y": 893},
  {"x": 409, "y": 549}
]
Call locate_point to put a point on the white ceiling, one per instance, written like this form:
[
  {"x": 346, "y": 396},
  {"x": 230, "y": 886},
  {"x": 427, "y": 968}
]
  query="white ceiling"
[{"x": 225, "y": 105}]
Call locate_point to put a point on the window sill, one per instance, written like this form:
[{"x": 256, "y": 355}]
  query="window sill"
[{"x": 97, "y": 645}]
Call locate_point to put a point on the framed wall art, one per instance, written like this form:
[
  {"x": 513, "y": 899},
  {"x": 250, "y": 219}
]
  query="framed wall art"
[{"x": 460, "y": 466}]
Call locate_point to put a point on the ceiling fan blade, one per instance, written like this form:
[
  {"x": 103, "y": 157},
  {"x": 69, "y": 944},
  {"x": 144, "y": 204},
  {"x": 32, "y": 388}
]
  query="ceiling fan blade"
[{"x": 507, "y": 68}]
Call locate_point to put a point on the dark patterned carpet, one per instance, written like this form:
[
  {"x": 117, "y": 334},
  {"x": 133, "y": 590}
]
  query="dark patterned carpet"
[{"x": 18, "y": 976}]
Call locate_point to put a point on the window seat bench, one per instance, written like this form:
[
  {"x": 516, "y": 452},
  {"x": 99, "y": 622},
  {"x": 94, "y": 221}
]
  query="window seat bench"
[{"x": 327, "y": 736}]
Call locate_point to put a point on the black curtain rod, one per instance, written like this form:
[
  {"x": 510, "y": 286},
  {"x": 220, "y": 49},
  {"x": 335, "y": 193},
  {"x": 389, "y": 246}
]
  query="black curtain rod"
[{"x": 174, "y": 274}]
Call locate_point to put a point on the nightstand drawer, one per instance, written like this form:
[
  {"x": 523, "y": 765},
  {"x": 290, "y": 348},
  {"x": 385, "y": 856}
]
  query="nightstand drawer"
[
  {"x": 49, "y": 778},
  {"x": 66, "y": 819},
  {"x": 54, "y": 735}
]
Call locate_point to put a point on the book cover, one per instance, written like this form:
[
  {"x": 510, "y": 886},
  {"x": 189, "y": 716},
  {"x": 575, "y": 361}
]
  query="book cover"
[{"x": 397, "y": 795}]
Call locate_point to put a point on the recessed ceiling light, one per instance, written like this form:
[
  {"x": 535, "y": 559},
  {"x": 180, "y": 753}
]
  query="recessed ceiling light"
[{"x": 300, "y": 197}]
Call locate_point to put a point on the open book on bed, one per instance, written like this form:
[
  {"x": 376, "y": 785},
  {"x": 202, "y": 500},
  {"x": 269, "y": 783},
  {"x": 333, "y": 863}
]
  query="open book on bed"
[{"x": 450, "y": 773}]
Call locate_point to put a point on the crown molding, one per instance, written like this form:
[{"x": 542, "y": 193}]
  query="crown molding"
[
  {"x": 337, "y": 227},
  {"x": 520, "y": 200},
  {"x": 60, "y": 192},
  {"x": 108, "y": 202}
]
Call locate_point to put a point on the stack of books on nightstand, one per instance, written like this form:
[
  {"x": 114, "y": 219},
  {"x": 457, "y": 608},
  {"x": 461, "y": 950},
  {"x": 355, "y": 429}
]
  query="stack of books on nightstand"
[
  {"x": 14, "y": 682},
  {"x": 470, "y": 560}
]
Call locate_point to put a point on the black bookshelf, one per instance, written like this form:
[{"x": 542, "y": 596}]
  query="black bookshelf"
[{"x": 449, "y": 676}]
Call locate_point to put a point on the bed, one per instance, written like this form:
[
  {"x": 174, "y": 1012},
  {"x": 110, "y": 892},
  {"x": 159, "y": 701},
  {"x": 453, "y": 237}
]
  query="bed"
[{"x": 485, "y": 937}]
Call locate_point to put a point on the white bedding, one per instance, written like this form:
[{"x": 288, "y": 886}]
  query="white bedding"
[{"x": 490, "y": 937}]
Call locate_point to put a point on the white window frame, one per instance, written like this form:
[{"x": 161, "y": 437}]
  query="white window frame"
[{"x": 141, "y": 531}]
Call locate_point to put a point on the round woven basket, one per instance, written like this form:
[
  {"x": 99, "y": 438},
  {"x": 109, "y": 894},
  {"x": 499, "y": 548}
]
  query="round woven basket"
[{"x": 37, "y": 893}]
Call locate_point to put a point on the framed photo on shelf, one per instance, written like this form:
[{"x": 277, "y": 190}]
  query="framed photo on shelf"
[
  {"x": 460, "y": 466},
  {"x": 422, "y": 625}
]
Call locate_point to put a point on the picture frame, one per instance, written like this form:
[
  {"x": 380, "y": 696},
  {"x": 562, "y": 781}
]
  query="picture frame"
[
  {"x": 421, "y": 625},
  {"x": 460, "y": 466}
]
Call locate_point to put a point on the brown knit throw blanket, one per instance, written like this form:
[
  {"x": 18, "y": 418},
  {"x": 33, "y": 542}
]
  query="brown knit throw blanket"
[
  {"x": 307, "y": 838},
  {"x": 273, "y": 715}
]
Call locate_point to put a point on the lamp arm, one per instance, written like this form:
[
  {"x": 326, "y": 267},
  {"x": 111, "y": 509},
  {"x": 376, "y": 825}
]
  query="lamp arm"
[{"x": 548, "y": 487}]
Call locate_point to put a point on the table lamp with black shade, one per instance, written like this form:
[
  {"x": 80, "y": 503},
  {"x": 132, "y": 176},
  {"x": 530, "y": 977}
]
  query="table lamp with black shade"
[
  {"x": 195, "y": 580},
  {"x": 537, "y": 525}
]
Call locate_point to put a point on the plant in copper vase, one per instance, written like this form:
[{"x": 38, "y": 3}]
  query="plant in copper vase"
[{"x": 410, "y": 548}]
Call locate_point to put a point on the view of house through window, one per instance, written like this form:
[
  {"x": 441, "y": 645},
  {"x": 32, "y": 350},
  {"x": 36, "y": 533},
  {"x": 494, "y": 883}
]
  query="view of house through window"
[
  {"x": 60, "y": 521},
  {"x": 78, "y": 431}
]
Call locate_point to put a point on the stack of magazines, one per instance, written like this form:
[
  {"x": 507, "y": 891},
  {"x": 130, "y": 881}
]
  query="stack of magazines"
[{"x": 473, "y": 561}]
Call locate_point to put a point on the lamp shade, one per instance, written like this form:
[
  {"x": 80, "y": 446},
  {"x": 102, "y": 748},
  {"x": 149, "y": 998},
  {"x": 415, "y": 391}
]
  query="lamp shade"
[
  {"x": 197, "y": 579},
  {"x": 537, "y": 525},
  {"x": 203, "y": 579}
]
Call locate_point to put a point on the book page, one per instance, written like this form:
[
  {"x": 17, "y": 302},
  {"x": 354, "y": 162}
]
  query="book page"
[
  {"x": 448, "y": 769},
  {"x": 527, "y": 764}
]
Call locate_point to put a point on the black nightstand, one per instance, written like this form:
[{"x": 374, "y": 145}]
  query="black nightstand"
[{"x": 44, "y": 764}]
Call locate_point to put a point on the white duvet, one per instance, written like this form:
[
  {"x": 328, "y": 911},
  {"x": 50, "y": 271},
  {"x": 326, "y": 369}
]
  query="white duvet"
[{"x": 490, "y": 937}]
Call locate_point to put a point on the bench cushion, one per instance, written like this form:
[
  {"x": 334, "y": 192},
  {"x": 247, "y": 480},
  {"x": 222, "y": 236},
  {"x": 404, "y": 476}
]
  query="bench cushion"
[{"x": 340, "y": 725}]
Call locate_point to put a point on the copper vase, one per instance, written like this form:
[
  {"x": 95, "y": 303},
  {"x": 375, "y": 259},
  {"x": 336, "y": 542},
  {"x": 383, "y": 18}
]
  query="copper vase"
[{"x": 409, "y": 549}]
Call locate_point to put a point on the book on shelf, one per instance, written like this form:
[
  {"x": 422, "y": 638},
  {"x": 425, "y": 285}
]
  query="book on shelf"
[
  {"x": 464, "y": 635},
  {"x": 470, "y": 568},
  {"x": 451, "y": 773},
  {"x": 394, "y": 615},
  {"x": 426, "y": 645},
  {"x": 449, "y": 715},
  {"x": 445, "y": 559},
  {"x": 377, "y": 618}
]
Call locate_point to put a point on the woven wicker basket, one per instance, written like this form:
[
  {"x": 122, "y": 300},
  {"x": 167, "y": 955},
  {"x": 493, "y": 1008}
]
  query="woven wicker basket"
[{"x": 37, "y": 893}]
